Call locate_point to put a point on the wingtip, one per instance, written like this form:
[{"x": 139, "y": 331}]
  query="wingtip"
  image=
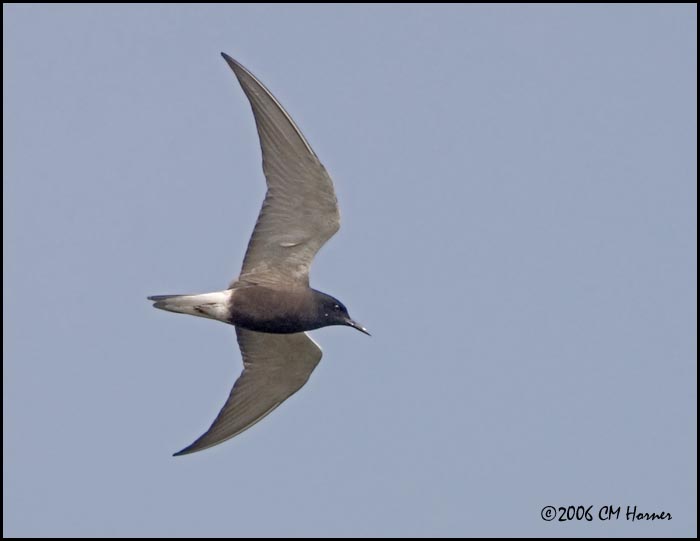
[
  {"x": 186, "y": 451},
  {"x": 235, "y": 66}
]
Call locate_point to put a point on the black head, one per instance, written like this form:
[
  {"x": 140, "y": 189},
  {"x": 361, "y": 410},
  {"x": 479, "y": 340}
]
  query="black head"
[{"x": 333, "y": 312}]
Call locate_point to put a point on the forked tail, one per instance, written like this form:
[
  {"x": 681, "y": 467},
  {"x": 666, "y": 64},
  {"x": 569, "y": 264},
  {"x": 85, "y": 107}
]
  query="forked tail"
[{"x": 211, "y": 305}]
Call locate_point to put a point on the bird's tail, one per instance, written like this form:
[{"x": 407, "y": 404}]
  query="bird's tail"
[{"x": 212, "y": 305}]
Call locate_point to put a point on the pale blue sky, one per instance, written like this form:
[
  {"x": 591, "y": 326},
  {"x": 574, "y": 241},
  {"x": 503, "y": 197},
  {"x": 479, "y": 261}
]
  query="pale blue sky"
[{"x": 518, "y": 194}]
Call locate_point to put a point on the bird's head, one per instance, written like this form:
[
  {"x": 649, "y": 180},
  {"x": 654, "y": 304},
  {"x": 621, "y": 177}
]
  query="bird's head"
[{"x": 334, "y": 312}]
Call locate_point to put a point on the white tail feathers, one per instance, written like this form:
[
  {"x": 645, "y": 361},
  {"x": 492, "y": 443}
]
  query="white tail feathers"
[{"x": 211, "y": 305}]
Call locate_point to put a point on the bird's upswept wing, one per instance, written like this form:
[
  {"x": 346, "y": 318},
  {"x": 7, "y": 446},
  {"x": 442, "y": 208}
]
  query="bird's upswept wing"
[
  {"x": 275, "y": 367},
  {"x": 300, "y": 211}
]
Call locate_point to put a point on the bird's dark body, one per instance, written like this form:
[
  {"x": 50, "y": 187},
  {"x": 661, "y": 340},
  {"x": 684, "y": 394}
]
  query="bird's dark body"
[{"x": 284, "y": 311}]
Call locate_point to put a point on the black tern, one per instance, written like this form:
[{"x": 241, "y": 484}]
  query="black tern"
[{"x": 271, "y": 304}]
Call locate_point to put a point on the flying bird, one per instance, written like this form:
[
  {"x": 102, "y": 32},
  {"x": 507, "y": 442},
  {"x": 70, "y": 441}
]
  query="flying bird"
[{"x": 271, "y": 304}]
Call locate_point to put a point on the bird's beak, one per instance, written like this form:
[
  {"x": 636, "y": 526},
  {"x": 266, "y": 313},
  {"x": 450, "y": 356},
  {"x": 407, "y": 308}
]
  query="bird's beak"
[{"x": 356, "y": 325}]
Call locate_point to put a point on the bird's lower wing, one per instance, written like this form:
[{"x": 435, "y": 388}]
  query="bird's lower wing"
[{"x": 275, "y": 367}]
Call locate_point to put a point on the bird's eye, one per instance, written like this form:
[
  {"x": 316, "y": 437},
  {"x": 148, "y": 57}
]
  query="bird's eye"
[{"x": 336, "y": 307}]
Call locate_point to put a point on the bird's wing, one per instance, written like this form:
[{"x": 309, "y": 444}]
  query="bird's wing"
[
  {"x": 275, "y": 367},
  {"x": 300, "y": 211}
]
